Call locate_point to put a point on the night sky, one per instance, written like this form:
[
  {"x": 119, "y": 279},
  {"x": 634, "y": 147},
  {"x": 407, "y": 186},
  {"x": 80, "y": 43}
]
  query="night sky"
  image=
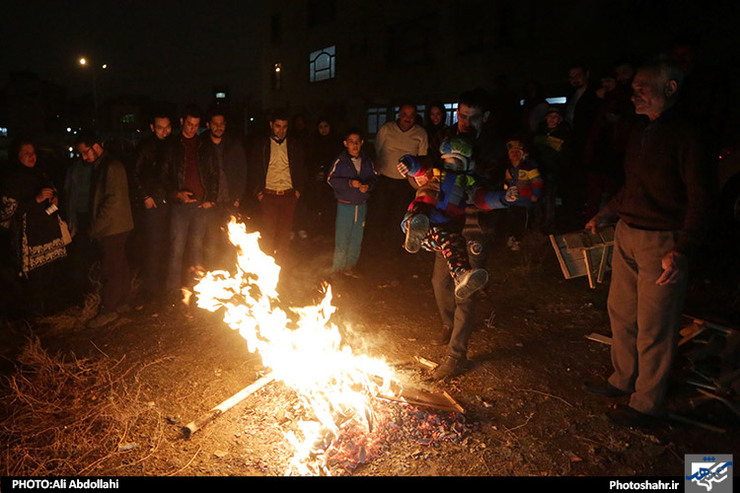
[
  {"x": 179, "y": 50},
  {"x": 168, "y": 50}
]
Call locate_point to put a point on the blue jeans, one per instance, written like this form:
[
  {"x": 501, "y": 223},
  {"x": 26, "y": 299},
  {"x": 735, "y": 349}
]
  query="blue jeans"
[
  {"x": 350, "y": 227},
  {"x": 188, "y": 224}
]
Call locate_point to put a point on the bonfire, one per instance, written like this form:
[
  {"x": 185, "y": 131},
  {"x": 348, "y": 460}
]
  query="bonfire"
[{"x": 302, "y": 347}]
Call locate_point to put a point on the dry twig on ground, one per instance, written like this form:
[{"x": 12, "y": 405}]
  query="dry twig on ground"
[{"x": 64, "y": 416}]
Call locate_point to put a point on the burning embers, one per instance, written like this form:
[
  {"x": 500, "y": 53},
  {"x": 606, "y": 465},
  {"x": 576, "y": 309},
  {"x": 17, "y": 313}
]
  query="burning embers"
[{"x": 303, "y": 348}]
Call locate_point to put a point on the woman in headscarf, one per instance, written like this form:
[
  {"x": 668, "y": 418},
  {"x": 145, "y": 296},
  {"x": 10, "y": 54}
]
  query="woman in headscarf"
[{"x": 29, "y": 211}]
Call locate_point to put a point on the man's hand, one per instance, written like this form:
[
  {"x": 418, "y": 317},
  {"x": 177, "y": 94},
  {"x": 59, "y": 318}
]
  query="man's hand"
[
  {"x": 592, "y": 224},
  {"x": 671, "y": 268},
  {"x": 421, "y": 180},
  {"x": 512, "y": 193},
  {"x": 355, "y": 183},
  {"x": 185, "y": 197},
  {"x": 364, "y": 188},
  {"x": 206, "y": 205},
  {"x": 149, "y": 203},
  {"x": 402, "y": 168}
]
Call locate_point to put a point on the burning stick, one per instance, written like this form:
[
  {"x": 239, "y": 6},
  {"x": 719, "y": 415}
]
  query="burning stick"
[{"x": 226, "y": 405}]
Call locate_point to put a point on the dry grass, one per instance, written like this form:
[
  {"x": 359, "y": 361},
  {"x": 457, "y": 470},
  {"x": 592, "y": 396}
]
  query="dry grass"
[{"x": 69, "y": 416}]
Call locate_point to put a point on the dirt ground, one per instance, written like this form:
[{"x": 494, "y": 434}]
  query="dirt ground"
[{"x": 113, "y": 401}]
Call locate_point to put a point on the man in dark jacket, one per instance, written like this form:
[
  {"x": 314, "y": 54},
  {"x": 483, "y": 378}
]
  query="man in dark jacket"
[
  {"x": 111, "y": 222},
  {"x": 489, "y": 153},
  {"x": 662, "y": 211},
  {"x": 231, "y": 160},
  {"x": 150, "y": 194},
  {"x": 191, "y": 183},
  {"x": 277, "y": 176},
  {"x": 579, "y": 113}
]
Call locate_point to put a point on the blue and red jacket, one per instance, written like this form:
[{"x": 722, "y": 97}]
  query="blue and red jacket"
[
  {"x": 451, "y": 193},
  {"x": 343, "y": 171}
]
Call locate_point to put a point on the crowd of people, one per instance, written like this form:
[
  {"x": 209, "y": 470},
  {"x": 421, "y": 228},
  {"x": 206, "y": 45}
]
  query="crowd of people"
[{"x": 620, "y": 150}]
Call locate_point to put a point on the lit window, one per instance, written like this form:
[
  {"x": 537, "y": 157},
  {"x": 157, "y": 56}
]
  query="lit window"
[
  {"x": 451, "y": 110},
  {"x": 128, "y": 118},
  {"x": 3, "y": 131},
  {"x": 220, "y": 95},
  {"x": 376, "y": 118},
  {"x": 321, "y": 64}
]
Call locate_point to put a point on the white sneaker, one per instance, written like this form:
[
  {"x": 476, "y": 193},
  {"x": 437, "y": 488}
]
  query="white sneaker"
[
  {"x": 416, "y": 229},
  {"x": 469, "y": 281}
]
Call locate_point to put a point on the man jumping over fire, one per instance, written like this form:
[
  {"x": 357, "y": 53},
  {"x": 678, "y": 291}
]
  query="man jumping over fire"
[{"x": 436, "y": 217}]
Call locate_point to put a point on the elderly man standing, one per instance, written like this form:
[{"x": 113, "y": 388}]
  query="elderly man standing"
[
  {"x": 661, "y": 210},
  {"x": 394, "y": 192}
]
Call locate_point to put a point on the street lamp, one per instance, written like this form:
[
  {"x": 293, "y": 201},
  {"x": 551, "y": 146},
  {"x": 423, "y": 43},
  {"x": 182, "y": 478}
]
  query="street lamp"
[{"x": 84, "y": 62}]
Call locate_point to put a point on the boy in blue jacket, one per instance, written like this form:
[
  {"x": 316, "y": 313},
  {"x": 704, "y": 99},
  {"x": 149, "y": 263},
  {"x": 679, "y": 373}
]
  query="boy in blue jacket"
[{"x": 353, "y": 178}]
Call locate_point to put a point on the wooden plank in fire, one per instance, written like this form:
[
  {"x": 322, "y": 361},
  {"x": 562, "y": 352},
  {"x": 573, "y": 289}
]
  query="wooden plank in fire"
[
  {"x": 424, "y": 398},
  {"x": 232, "y": 401}
]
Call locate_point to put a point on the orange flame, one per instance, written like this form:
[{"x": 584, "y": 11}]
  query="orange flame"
[{"x": 305, "y": 350}]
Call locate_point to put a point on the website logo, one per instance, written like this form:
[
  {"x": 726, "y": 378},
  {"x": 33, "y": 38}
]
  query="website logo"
[{"x": 708, "y": 473}]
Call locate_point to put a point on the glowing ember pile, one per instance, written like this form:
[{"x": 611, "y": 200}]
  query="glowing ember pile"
[{"x": 303, "y": 349}]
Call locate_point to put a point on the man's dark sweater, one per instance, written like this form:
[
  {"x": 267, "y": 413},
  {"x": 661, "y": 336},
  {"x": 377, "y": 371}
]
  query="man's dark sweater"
[{"x": 666, "y": 185}]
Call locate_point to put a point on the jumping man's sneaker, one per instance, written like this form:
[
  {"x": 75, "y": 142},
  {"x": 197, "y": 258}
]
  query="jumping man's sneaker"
[
  {"x": 416, "y": 229},
  {"x": 469, "y": 281}
]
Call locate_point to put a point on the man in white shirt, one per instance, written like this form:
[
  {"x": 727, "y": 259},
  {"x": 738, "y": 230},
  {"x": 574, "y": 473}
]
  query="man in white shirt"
[
  {"x": 277, "y": 175},
  {"x": 394, "y": 192}
]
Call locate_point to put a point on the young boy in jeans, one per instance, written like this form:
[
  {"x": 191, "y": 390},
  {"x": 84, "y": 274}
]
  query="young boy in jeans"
[{"x": 353, "y": 177}]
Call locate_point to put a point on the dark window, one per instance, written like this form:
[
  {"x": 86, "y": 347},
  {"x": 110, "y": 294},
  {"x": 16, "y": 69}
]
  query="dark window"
[
  {"x": 276, "y": 29},
  {"x": 320, "y": 12}
]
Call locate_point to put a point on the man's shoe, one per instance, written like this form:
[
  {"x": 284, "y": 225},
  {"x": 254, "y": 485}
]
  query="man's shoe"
[
  {"x": 443, "y": 337},
  {"x": 604, "y": 389},
  {"x": 416, "y": 229},
  {"x": 102, "y": 319},
  {"x": 448, "y": 369},
  {"x": 631, "y": 418},
  {"x": 469, "y": 281}
]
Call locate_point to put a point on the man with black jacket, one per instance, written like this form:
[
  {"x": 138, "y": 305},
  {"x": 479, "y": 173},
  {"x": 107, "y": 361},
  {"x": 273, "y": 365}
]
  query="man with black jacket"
[
  {"x": 277, "y": 174},
  {"x": 231, "y": 160},
  {"x": 150, "y": 194},
  {"x": 190, "y": 175}
]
